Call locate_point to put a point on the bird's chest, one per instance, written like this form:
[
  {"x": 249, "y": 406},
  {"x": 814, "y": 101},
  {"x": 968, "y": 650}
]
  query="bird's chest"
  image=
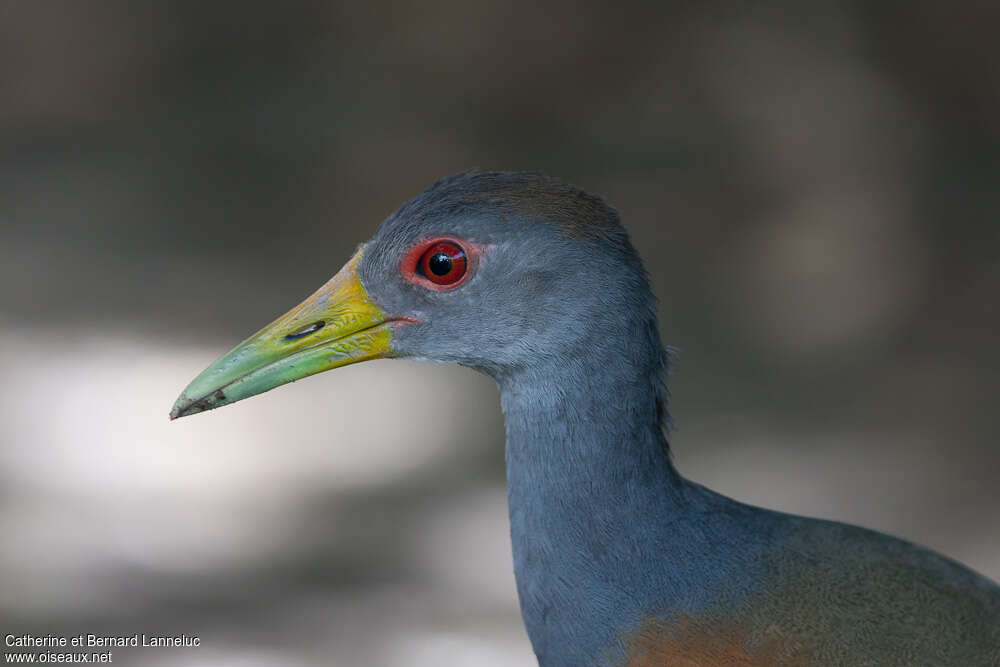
[
  {"x": 587, "y": 600},
  {"x": 605, "y": 537},
  {"x": 683, "y": 641},
  {"x": 688, "y": 641}
]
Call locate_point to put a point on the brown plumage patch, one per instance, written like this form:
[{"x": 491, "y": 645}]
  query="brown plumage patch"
[
  {"x": 577, "y": 214},
  {"x": 687, "y": 642}
]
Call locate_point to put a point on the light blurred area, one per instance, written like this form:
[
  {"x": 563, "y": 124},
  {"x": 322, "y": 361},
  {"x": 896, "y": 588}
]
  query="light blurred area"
[
  {"x": 344, "y": 521},
  {"x": 813, "y": 188}
]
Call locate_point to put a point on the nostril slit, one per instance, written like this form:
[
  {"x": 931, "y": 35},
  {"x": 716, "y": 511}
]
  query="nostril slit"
[{"x": 306, "y": 330}]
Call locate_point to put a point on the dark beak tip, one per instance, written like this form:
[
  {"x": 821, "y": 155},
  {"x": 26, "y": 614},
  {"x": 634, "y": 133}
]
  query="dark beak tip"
[{"x": 183, "y": 408}]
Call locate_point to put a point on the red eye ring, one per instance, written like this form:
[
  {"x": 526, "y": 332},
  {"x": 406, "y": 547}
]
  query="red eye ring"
[{"x": 443, "y": 263}]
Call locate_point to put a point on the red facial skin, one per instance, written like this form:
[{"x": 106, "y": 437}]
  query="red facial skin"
[{"x": 410, "y": 265}]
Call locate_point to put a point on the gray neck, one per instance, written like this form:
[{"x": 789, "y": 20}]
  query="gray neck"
[
  {"x": 574, "y": 431},
  {"x": 590, "y": 486}
]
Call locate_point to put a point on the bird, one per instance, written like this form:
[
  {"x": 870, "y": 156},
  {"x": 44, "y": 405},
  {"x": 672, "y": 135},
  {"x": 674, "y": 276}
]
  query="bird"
[{"x": 619, "y": 560}]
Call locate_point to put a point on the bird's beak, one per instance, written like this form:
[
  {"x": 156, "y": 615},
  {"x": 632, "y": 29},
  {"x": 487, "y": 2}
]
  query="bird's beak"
[{"x": 336, "y": 326}]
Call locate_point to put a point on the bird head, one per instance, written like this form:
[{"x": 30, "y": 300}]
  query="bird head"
[{"x": 501, "y": 272}]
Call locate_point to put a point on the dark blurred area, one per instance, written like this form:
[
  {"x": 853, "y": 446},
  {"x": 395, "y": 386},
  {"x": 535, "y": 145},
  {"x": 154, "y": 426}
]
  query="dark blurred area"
[{"x": 813, "y": 187}]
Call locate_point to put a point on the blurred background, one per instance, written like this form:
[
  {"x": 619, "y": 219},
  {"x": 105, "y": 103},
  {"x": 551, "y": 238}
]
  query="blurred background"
[{"x": 813, "y": 187}]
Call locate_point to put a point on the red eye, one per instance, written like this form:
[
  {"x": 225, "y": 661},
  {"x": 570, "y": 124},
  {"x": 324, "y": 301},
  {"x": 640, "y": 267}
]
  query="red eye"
[{"x": 444, "y": 263}]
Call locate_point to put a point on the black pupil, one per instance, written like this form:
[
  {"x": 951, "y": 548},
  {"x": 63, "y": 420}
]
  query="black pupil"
[{"x": 439, "y": 264}]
